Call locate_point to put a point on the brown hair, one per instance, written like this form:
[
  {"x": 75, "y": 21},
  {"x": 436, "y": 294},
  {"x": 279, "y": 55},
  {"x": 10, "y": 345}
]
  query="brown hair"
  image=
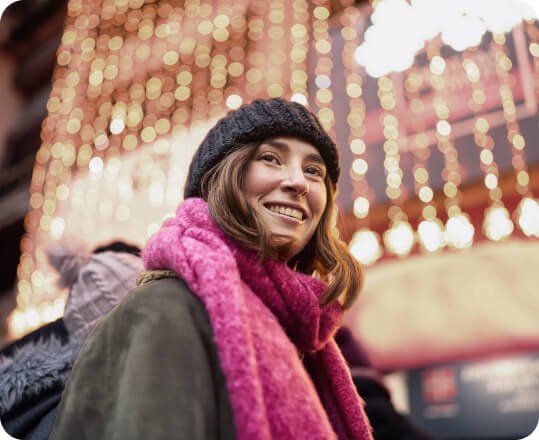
[{"x": 325, "y": 256}]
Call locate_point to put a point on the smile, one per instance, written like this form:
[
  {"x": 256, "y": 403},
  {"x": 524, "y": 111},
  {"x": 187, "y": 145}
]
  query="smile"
[{"x": 286, "y": 210}]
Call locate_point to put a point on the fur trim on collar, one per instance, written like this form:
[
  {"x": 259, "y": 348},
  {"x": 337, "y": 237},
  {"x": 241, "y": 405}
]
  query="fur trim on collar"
[{"x": 33, "y": 368}]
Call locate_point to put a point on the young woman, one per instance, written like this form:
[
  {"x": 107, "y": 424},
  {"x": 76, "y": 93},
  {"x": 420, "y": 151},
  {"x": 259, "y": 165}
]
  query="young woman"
[{"x": 230, "y": 332}]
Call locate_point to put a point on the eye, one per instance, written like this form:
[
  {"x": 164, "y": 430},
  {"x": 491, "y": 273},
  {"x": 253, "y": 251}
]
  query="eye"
[
  {"x": 315, "y": 171},
  {"x": 269, "y": 157}
]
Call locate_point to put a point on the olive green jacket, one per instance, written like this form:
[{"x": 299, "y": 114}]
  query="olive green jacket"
[{"x": 149, "y": 370}]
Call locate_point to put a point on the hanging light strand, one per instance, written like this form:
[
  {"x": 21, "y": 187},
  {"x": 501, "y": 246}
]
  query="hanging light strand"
[
  {"x": 299, "y": 39},
  {"x": 459, "y": 231},
  {"x": 514, "y": 135},
  {"x": 430, "y": 231},
  {"x": 527, "y": 212},
  {"x": 533, "y": 47},
  {"x": 496, "y": 223},
  {"x": 322, "y": 50},
  {"x": 365, "y": 243},
  {"x": 237, "y": 56},
  {"x": 256, "y": 32},
  {"x": 399, "y": 238}
]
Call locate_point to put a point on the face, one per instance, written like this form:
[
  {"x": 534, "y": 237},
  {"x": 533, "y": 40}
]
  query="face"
[{"x": 285, "y": 185}]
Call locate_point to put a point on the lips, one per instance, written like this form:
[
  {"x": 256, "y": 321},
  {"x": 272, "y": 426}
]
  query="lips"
[{"x": 287, "y": 210}]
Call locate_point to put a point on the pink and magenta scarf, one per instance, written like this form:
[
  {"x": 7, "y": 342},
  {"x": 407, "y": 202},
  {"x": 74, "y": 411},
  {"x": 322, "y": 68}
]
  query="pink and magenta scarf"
[{"x": 262, "y": 315}]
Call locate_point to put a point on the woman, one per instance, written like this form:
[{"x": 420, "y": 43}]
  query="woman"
[{"x": 230, "y": 332}]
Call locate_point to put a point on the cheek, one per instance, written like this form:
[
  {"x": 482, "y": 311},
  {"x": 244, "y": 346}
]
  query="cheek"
[
  {"x": 250, "y": 181},
  {"x": 318, "y": 202}
]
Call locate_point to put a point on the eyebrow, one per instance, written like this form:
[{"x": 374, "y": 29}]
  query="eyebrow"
[{"x": 313, "y": 157}]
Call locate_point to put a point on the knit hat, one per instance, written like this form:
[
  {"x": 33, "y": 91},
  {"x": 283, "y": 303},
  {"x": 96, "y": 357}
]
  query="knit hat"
[
  {"x": 255, "y": 122},
  {"x": 97, "y": 283}
]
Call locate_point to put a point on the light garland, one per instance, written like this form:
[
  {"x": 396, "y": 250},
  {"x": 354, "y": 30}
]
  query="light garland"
[
  {"x": 399, "y": 239},
  {"x": 430, "y": 233},
  {"x": 497, "y": 224},
  {"x": 365, "y": 243},
  {"x": 459, "y": 231},
  {"x": 256, "y": 26},
  {"x": 527, "y": 212},
  {"x": 533, "y": 48},
  {"x": 299, "y": 39},
  {"x": 322, "y": 51}
]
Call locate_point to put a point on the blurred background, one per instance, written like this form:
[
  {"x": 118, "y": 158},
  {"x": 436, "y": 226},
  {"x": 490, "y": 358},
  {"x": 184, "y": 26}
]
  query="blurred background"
[{"x": 433, "y": 105}]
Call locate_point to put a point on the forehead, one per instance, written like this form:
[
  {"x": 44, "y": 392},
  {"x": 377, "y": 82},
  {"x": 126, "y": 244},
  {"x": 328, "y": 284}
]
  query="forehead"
[{"x": 294, "y": 145}]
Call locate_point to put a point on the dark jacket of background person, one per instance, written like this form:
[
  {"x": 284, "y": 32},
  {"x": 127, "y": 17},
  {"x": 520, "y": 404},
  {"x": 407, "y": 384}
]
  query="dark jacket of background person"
[
  {"x": 386, "y": 421},
  {"x": 163, "y": 349},
  {"x": 34, "y": 369}
]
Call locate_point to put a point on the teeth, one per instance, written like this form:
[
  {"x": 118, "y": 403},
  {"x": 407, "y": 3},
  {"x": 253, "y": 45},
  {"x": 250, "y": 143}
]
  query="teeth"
[{"x": 285, "y": 210}]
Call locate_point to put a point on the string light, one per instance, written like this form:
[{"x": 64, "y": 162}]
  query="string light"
[
  {"x": 526, "y": 214},
  {"x": 533, "y": 49},
  {"x": 256, "y": 32},
  {"x": 365, "y": 243},
  {"x": 299, "y": 39},
  {"x": 497, "y": 223},
  {"x": 322, "y": 47},
  {"x": 399, "y": 238},
  {"x": 458, "y": 231},
  {"x": 430, "y": 230}
]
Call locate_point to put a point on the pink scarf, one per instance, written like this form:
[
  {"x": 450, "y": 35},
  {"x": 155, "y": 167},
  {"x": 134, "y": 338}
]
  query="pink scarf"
[{"x": 261, "y": 315}]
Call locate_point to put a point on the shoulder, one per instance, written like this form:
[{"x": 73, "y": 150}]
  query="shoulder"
[
  {"x": 163, "y": 295},
  {"x": 166, "y": 304}
]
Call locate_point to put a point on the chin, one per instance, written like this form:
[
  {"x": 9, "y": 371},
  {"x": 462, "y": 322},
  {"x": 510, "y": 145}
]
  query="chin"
[{"x": 287, "y": 250}]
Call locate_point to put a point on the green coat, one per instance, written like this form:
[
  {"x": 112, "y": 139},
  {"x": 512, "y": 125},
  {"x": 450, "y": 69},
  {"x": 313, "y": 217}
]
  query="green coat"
[{"x": 149, "y": 370}]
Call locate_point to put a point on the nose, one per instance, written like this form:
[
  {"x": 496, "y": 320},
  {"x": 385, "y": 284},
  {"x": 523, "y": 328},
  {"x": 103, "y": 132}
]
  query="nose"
[{"x": 295, "y": 181}]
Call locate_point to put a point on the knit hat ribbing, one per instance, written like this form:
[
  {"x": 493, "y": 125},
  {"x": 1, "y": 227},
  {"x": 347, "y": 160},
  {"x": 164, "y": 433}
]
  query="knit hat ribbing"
[
  {"x": 256, "y": 122},
  {"x": 97, "y": 282}
]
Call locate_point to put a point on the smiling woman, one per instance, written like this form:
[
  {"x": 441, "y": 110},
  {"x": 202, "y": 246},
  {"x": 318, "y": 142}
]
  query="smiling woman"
[{"x": 232, "y": 324}]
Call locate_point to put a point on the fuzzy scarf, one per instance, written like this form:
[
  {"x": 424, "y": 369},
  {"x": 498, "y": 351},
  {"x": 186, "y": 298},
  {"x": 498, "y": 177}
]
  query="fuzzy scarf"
[{"x": 262, "y": 315}]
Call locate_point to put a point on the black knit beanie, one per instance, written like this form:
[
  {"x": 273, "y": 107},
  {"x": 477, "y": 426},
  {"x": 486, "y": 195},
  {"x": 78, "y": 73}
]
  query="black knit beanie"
[{"x": 256, "y": 122}]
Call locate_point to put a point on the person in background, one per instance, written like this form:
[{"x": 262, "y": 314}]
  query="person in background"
[
  {"x": 387, "y": 423},
  {"x": 230, "y": 332},
  {"x": 34, "y": 369}
]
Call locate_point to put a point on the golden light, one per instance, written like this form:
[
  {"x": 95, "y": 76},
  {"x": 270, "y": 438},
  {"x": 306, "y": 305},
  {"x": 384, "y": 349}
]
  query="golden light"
[
  {"x": 299, "y": 98},
  {"x": 459, "y": 232},
  {"x": 322, "y": 81},
  {"x": 57, "y": 228},
  {"x": 527, "y": 214},
  {"x": 430, "y": 235},
  {"x": 443, "y": 128},
  {"x": 360, "y": 166},
  {"x": 486, "y": 157},
  {"x": 117, "y": 125},
  {"x": 96, "y": 165},
  {"x": 497, "y": 223},
  {"x": 491, "y": 181},
  {"x": 234, "y": 101},
  {"x": 365, "y": 246},
  {"x": 399, "y": 238},
  {"x": 361, "y": 207},
  {"x": 437, "y": 65},
  {"x": 358, "y": 146},
  {"x": 426, "y": 194}
]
